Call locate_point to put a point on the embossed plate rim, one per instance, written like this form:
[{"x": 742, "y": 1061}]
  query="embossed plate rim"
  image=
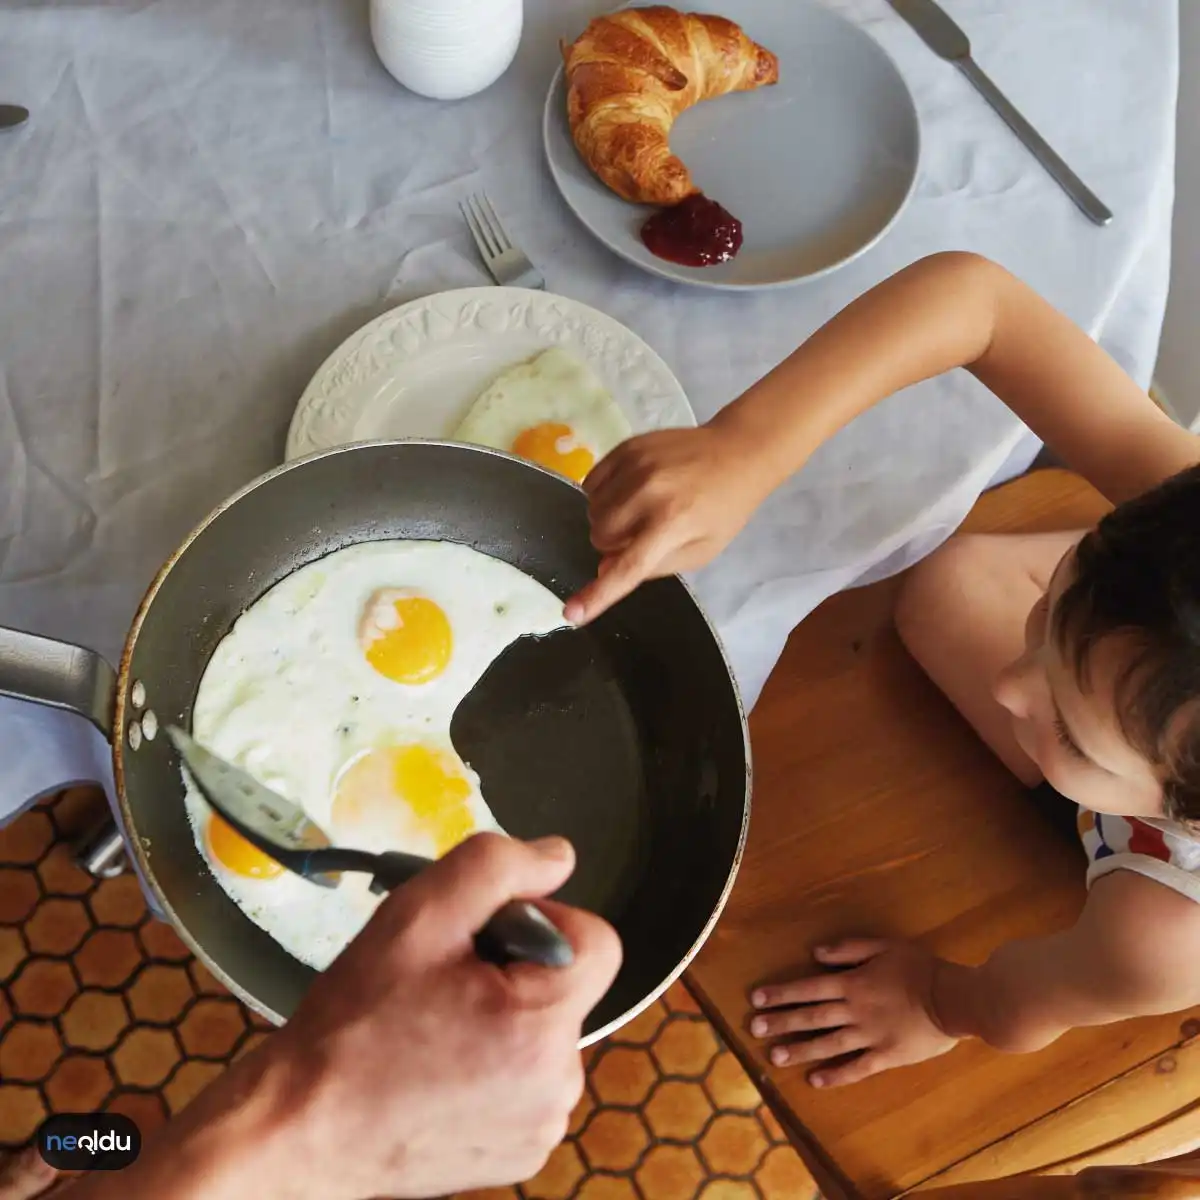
[{"x": 335, "y": 392}]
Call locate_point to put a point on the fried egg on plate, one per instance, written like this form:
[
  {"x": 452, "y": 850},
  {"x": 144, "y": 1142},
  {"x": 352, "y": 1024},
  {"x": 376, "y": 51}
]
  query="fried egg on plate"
[
  {"x": 336, "y": 689},
  {"x": 552, "y": 410}
]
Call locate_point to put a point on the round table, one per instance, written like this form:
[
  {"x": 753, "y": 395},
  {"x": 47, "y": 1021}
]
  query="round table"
[{"x": 211, "y": 195}]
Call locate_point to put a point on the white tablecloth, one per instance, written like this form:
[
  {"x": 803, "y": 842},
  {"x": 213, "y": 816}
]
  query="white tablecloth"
[{"x": 211, "y": 194}]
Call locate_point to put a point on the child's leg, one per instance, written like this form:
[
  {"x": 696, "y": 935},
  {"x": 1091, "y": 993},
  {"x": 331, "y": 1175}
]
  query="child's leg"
[{"x": 961, "y": 613}]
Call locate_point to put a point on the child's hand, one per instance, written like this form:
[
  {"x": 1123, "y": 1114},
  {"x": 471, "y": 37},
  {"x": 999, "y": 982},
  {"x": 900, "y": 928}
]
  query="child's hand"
[
  {"x": 662, "y": 503},
  {"x": 881, "y": 1010}
]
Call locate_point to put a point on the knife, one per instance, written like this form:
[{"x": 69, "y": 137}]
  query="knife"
[
  {"x": 283, "y": 831},
  {"x": 940, "y": 33}
]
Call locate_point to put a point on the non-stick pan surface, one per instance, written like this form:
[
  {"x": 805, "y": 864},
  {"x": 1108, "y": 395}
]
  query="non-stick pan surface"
[{"x": 627, "y": 737}]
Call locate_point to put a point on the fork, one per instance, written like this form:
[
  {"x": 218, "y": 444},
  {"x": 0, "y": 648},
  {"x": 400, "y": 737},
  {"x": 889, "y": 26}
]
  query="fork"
[{"x": 506, "y": 262}]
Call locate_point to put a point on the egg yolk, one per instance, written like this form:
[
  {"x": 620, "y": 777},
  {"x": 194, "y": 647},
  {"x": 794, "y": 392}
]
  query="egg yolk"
[
  {"x": 236, "y": 854},
  {"x": 405, "y": 637},
  {"x": 389, "y": 793},
  {"x": 554, "y": 446}
]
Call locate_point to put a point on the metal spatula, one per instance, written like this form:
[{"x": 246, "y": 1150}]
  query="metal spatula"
[{"x": 518, "y": 932}]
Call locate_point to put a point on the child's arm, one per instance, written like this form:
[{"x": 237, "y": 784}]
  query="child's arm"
[
  {"x": 672, "y": 500},
  {"x": 1132, "y": 953}
]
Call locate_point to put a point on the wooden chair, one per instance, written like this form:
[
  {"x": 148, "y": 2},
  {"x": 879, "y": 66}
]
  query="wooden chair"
[
  {"x": 876, "y": 810},
  {"x": 1173, "y": 1179}
]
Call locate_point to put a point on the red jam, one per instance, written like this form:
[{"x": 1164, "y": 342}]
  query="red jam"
[{"x": 697, "y": 232}]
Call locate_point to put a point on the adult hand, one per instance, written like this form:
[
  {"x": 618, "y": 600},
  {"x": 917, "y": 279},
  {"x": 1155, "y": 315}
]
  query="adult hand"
[
  {"x": 25, "y": 1175},
  {"x": 880, "y": 1009},
  {"x": 411, "y": 1068},
  {"x": 434, "y": 1071},
  {"x": 665, "y": 502}
]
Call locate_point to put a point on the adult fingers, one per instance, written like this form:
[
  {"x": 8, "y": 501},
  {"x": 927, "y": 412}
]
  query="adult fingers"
[
  {"x": 25, "y": 1175},
  {"x": 801, "y": 1020},
  {"x": 869, "y": 1063},
  {"x": 454, "y": 898},
  {"x": 579, "y": 987},
  {"x": 813, "y": 990},
  {"x": 850, "y": 951},
  {"x": 820, "y": 1049}
]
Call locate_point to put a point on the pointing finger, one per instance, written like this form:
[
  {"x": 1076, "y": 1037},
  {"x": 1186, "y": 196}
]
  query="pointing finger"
[{"x": 621, "y": 574}]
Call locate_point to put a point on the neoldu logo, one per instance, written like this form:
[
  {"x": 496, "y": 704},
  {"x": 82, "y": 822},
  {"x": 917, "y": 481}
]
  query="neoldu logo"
[{"x": 89, "y": 1141}]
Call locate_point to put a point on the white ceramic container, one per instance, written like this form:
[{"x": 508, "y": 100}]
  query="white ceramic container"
[{"x": 446, "y": 49}]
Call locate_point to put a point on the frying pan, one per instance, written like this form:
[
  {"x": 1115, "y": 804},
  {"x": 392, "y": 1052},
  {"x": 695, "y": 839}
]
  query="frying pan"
[{"x": 628, "y": 737}]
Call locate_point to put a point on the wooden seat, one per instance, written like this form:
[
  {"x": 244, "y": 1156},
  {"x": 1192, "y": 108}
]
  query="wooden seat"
[
  {"x": 1174, "y": 1179},
  {"x": 877, "y": 811}
]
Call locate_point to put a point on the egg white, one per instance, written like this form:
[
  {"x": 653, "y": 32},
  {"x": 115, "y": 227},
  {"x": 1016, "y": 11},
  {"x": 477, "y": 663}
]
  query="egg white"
[
  {"x": 289, "y": 697},
  {"x": 553, "y": 387}
]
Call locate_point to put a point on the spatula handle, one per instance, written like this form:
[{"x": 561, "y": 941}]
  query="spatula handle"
[{"x": 518, "y": 932}]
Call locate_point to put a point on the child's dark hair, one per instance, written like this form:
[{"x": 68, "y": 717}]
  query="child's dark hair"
[{"x": 1138, "y": 574}]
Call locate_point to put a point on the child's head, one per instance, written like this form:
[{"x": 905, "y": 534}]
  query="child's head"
[{"x": 1112, "y": 715}]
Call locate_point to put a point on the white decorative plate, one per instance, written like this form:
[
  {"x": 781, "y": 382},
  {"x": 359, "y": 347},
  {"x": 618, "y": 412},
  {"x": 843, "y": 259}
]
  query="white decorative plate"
[{"x": 415, "y": 371}]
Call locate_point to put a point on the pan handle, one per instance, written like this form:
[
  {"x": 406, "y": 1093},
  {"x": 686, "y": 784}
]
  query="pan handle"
[
  {"x": 518, "y": 932},
  {"x": 58, "y": 675}
]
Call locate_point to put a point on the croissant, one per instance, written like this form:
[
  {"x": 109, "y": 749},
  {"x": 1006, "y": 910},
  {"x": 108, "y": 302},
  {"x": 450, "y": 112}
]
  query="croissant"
[{"x": 630, "y": 74}]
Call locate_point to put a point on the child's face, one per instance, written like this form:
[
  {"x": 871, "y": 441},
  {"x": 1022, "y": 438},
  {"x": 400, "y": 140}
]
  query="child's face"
[{"x": 1073, "y": 734}]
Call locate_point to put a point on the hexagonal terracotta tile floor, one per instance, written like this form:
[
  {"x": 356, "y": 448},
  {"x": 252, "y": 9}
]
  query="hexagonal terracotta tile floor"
[{"x": 103, "y": 1007}]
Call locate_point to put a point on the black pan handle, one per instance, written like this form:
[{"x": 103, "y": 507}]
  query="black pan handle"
[{"x": 518, "y": 932}]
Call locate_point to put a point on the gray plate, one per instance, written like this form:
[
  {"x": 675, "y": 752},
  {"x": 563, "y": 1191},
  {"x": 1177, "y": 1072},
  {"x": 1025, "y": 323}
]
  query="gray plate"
[{"x": 817, "y": 167}]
